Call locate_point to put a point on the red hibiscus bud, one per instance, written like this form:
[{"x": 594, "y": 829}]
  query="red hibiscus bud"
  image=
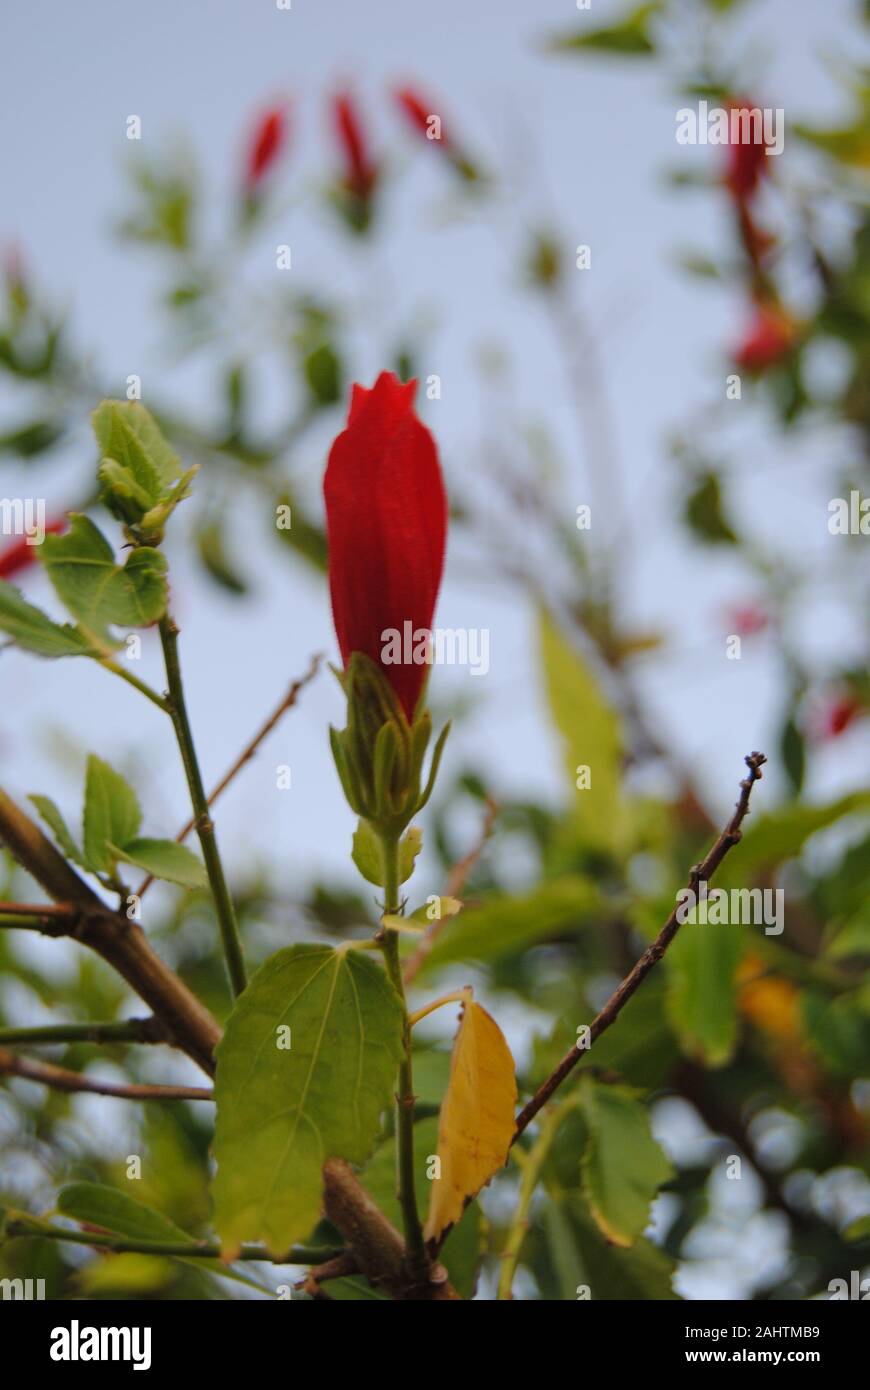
[
  {"x": 770, "y": 337},
  {"x": 421, "y": 116},
  {"x": 747, "y": 163},
  {"x": 747, "y": 620},
  {"x": 21, "y": 553},
  {"x": 386, "y": 521},
  {"x": 360, "y": 173},
  {"x": 266, "y": 144},
  {"x": 836, "y": 717}
]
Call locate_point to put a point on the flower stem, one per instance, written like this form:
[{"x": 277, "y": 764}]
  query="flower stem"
[
  {"x": 531, "y": 1171},
  {"x": 406, "y": 1190},
  {"x": 226, "y": 914},
  {"x": 118, "y": 670}
]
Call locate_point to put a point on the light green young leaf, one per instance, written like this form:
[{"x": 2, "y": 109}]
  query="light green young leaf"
[
  {"x": 622, "y": 1166},
  {"x": 164, "y": 859},
  {"x": 58, "y": 826},
  {"x": 409, "y": 847},
  {"x": 97, "y": 591},
  {"x": 282, "y": 1111},
  {"x": 128, "y": 433},
  {"x": 111, "y": 814},
  {"x": 33, "y": 630},
  {"x": 592, "y": 738},
  {"x": 366, "y": 853}
]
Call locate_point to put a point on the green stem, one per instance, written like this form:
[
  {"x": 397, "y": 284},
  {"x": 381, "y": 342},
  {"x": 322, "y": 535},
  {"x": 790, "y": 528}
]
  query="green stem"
[
  {"x": 144, "y": 689},
  {"x": 204, "y": 825},
  {"x": 418, "y": 1264},
  {"x": 134, "y": 1030},
  {"x": 19, "y": 1224},
  {"x": 531, "y": 1172}
]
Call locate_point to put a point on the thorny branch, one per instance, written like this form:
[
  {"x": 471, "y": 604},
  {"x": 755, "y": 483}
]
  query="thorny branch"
[{"x": 702, "y": 872}]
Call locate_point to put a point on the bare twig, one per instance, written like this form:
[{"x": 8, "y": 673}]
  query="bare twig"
[
  {"x": 456, "y": 881},
  {"x": 702, "y": 872},
  {"x": 60, "y": 1079},
  {"x": 125, "y": 1030},
  {"x": 246, "y": 754}
]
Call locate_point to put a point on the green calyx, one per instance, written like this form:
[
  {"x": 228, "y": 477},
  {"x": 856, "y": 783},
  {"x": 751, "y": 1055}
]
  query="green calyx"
[{"x": 379, "y": 756}]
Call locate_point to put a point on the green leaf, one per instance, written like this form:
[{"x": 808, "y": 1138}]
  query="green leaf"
[
  {"x": 705, "y": 512},
  {"x": 700, "y": 965},
  {"x": 282, "y": 1112},
  {"x": 409, "y": 847},
  {"x": 117, "y": 1212},
  {"x": 504, "y": 925},
  {"x": 622, "y": 1166},
  {"x": 97, "y": 591},
  {"x": 33, "y": 630},
  {"x": 164, "y": 859},
  {"x": 584, "y": 1257},
  {"x": 774, "y": 838},
  {"x": 128, "y": 434},
  {"x": 212, "y": 548},
  {"x": 628, "y": 38},
  {"x": 323, "y": 375},
  {"x": 592, "y": 737},
  {"x": 58, "y": 826},
  {"x": 122, "y": 1215},
  {"x": 366, "y": 853},
  {"x": 111, "y": 814}
]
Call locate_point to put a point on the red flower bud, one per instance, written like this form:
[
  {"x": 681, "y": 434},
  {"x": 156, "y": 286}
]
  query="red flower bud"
[
  {"x": 420, "y": 115},
  {"x": 267, "y": 141},
  {"x": 770, "y": 337},
  {"x": 837, "y": 716},
  {"x": 386, "y": 521},
  {"x": 360, "y": 173},
  {"x": 747, "y": 620},
  {"x": 22, "y": 553}
]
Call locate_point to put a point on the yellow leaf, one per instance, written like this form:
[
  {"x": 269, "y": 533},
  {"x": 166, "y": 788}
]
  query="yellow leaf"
[{"x": 477, "y": 1117}]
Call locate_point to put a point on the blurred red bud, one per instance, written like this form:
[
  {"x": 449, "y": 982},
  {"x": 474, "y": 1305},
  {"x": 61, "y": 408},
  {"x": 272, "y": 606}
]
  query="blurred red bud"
[
  {"x": 837, "y": 715},
  {"x": 746, "y": 163},
  {"x": 360, "y": 173},
  {"x": 421, "y": 116},
  {"x": 266, "y": 143},
  {"x": 747, "y": 620},
  {"x": 21, "y": 553},
  {"x": 770, "y": 337}
]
